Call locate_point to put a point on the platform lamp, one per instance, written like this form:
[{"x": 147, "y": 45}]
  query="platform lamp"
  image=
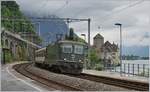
[
  {"x": 120, "y": 25},
  {"x": 84, "y": 35}
]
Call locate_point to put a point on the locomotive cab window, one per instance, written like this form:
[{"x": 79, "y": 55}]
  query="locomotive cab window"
[
  {"x": 66, "y": 48},
  {"x": 78, "y": 49}
]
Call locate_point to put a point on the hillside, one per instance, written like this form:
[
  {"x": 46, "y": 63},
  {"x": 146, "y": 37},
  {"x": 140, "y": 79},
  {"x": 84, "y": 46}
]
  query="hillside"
[
  {"x": 49, "y": 30},
  {"x": 11, "y": 9},
  {"x": 134, "y": 50}
]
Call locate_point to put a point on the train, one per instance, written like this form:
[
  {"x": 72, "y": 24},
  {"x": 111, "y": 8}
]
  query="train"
[{"x": 63, "y": 56}]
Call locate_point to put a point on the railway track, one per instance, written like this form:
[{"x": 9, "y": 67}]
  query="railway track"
[
  {"x": 133, "y": 85},
  {"x": 22, "y": 68}
]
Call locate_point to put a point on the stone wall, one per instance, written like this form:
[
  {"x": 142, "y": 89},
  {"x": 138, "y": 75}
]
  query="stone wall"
[{"x": 15, "y": 49}]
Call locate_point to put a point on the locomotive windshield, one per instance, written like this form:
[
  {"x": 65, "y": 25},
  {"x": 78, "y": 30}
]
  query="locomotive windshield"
[
  {"x": 67, "y": 48},
  {"x": 78, "y": 49}
]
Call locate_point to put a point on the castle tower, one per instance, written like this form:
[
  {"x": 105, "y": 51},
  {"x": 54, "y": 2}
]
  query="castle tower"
[{"x": 98, "y": 41}]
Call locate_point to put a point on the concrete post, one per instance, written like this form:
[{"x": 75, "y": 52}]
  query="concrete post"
[{"x": 89, "y": 47}]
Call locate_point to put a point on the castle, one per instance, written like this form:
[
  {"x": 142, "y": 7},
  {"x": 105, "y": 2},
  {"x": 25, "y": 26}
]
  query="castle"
[{"x": 107, "y": 52}]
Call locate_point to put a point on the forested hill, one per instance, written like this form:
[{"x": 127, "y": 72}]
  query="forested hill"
[{"x": 11, "y": 9}]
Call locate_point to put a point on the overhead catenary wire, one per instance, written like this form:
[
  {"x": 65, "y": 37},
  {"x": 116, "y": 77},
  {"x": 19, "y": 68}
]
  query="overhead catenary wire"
[
  {"x": 113, "y": 12},
  {"x": 42, "y": 6},
  {"x": 110, "y": 15},
  {"x": 60, "y": 8},
  {"x": 47, "y": 14}
]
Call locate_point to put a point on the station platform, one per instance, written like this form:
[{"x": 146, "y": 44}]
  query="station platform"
[
  {"x": 14, "y": 81},
  {"x": 117, "y": 75}
]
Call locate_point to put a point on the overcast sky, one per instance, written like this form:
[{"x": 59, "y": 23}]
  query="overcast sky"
[{"x": 134, "y": 15}]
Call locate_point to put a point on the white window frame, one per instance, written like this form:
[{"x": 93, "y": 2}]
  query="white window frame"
[
  {"x": 78, "y": 49},
  {"x": 66, "y": 46}
]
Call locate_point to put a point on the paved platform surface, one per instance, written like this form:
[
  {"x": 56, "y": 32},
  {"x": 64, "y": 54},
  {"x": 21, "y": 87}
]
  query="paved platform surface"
[
  {"x": 13, "y": 81},
  {"x": 117, "y": 75}
]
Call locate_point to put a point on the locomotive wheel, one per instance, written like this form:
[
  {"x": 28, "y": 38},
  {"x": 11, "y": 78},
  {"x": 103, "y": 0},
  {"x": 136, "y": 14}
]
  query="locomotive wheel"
[
  {"x": 47, "y": 67},
  {"x": 37, "y": 64},
  {"x": 55, "y": 68}
]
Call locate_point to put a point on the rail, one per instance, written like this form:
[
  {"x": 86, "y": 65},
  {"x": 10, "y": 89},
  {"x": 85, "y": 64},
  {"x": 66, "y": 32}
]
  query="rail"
[
  {"x": 129, "y": 84},
  {"x": 23, "y": 69}
]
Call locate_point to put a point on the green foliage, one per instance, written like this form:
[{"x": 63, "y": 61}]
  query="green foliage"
[
  {"x": 11, "y": 9},
  {"x": 38, "y": 40},
  {"x": 71, "y": 34},
  {"x": 8, "y": 56},
  {"x": 22, "y": 53},
  {"x": 98, "y": 67},
  {"x": 73, "y": 37},
  {"x": 95, "y": 62},
  {"x": 93, "y": 56},
  {"x": 78, "y": 39},
  {"x": 145, "y": 58}
]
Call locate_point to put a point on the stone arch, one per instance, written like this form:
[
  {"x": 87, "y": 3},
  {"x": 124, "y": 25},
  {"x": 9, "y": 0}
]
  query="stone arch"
[
  {"x": 16, "y": 52},
  {"x": 6, "y": 42},
  {"x": 12, "y": 46}
]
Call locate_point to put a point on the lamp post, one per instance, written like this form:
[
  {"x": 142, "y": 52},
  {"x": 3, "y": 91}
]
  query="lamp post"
[
  {"x": 85, "y": 63},
  {"x": 120, "y": 25}
]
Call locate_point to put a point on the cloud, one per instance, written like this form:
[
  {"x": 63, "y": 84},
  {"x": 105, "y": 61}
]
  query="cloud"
[{"x": 133, "y": 14}]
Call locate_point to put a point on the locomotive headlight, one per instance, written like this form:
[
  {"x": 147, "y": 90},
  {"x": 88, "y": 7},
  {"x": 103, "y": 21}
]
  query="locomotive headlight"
[
  {"x": 65, "y": 59},
  {"x": 80, "y": 61}
]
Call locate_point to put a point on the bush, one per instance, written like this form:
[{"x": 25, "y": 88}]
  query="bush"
[
  {"x": 8, "y": 56},
  {"x": 98, "y": 67}
]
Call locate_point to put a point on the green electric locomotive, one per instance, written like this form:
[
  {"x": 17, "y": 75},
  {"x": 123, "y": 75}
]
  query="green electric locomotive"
[{"x": 63, "y": 56}]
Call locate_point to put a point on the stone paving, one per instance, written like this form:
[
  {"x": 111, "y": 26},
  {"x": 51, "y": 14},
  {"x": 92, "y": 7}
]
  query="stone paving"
[
  {"x": 116, "y": 75},
  {"x": 13, "y": 81},
  {"x": 82, "y": 84}
]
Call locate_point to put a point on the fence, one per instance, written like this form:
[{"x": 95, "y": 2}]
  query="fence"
[{"x": 132, "y": 69}]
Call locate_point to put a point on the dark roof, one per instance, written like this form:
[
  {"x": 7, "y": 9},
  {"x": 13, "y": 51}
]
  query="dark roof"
[
  {"x": 98, "y": 36},
  {"x": 110, "y": 47},
  {"x": 107, "y": 43}
]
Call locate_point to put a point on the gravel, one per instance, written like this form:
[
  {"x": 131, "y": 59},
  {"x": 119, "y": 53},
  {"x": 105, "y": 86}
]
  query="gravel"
[{"x": 82, "y": 84}]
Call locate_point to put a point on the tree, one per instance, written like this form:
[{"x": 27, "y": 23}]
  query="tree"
[
  {"x": 71, "y": 34},
  {"x": 11, "y": 9},
  {"x": 95, "y": 61},
  {"x": 93, "y": 56}
]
